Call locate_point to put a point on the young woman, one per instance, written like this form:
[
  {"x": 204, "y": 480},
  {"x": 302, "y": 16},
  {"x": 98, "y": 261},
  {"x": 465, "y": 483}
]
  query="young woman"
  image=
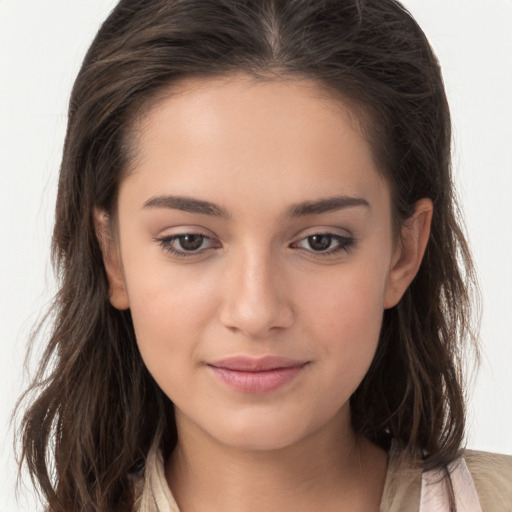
[{"x": 265, "y": 291}]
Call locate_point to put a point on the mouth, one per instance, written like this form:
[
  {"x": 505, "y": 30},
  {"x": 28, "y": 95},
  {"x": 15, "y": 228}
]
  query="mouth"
[{"x": 256, "y": 375}]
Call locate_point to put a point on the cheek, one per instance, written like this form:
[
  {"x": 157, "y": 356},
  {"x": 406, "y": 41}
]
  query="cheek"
[
  {"x": 170, "y": 309},
  {"x": 348, "y": 301},
  {"x": 344, "y": 314}
]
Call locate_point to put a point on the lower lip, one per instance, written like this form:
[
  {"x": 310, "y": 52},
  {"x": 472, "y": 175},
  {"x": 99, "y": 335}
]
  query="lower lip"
[{"x": 257, "y": 382}]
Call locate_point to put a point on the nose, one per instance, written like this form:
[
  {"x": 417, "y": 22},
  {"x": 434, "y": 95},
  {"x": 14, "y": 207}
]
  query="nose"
[{"x": 256, "y": 299}]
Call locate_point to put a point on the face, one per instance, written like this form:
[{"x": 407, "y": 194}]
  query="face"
[{"x": 255, "y": 252}]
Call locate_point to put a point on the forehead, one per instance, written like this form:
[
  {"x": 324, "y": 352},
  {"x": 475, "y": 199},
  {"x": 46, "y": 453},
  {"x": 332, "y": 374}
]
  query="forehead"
[{"x": 287, "y": 139}]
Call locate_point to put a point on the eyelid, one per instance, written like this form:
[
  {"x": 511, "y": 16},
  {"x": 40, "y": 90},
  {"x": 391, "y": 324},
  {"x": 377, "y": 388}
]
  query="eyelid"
[
  {"x": 166, "y": 243},
  {"x": 345, "y": 244}
]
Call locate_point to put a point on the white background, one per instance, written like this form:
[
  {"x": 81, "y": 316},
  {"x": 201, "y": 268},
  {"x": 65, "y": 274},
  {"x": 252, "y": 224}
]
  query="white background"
[{"x": 41, "y": 47}]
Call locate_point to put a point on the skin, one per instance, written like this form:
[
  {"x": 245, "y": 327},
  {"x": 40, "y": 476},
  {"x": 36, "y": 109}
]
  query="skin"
[{"x": 257, "y": 287}]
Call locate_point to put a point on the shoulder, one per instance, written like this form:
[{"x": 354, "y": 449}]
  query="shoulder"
[
  {"x": 492, "y": 476},
  {"x": 479, "y": 481},
  {"x": 150, "y": 490}
]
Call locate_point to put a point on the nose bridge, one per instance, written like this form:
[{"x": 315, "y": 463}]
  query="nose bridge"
[{"x": 256, "y": 300}]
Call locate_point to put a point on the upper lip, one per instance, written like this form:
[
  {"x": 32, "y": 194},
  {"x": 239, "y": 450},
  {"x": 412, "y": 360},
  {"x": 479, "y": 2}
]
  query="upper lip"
[{"x": 256, "y": 364}]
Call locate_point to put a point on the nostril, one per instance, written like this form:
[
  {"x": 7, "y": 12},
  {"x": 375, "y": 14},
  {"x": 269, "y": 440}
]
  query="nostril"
[
  {"x": 256, "y": 317},
  {"x": 255, "y": 299}
]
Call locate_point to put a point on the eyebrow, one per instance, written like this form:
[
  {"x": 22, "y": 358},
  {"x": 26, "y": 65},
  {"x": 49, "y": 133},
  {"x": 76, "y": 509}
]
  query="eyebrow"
[
  {"x": 187, "y": 204},
  {"x": 318, "y": 206},
  {"x": 328, "y": 204}
]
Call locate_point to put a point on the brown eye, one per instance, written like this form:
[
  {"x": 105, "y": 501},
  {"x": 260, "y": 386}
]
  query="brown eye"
[
  {"x": 190, "y": 242},
  {"x": 187, "y": 244},
  {"x": 326, "y": 244},
  {"x": 320, "y": 242}
]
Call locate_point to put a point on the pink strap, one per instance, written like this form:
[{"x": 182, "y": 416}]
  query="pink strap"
[{"x": 434, "y": 490}]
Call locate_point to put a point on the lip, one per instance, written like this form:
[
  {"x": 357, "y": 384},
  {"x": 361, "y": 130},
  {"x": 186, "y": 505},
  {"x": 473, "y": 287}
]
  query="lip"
[{"x": 256, "y": 375}]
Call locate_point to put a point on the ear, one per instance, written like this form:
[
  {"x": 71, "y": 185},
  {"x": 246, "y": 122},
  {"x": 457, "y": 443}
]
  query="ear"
[
  {"x": 409, "y": 252},
  {"x": 112, "y": 260}
]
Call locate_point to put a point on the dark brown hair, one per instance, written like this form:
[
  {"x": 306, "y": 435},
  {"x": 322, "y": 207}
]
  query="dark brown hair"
[{"x": 94, "y": 407}]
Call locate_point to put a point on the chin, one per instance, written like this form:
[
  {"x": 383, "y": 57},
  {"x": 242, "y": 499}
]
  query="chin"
[
  {"x": 261, "y": 432},
  {"x": 264, "y": 440}
]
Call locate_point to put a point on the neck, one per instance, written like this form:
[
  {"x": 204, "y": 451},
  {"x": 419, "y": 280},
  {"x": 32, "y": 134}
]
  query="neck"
[{"x": 332, "y": 469}]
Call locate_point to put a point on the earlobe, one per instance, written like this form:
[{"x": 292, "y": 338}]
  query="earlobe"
[
  {"x": 409, "y": 253},
  {"x": 118, "y": 295}
]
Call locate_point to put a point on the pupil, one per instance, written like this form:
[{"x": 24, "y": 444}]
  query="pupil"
[
  {"x": 191, "y": 242},
  {"x": 319, "y": 242}
]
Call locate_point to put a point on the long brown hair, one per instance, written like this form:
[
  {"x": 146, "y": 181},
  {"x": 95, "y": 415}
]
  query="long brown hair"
[{"x": 94, "y": 407}]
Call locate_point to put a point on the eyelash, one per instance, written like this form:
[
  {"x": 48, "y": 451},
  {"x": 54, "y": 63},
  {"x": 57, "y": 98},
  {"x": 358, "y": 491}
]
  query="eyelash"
[
  {"x": 345, "y": 243},
  {"x": 166, "y": 244}
]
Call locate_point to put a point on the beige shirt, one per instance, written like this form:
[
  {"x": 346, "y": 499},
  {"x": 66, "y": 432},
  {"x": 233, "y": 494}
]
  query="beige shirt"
[{"x": 482, "y": 482}]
